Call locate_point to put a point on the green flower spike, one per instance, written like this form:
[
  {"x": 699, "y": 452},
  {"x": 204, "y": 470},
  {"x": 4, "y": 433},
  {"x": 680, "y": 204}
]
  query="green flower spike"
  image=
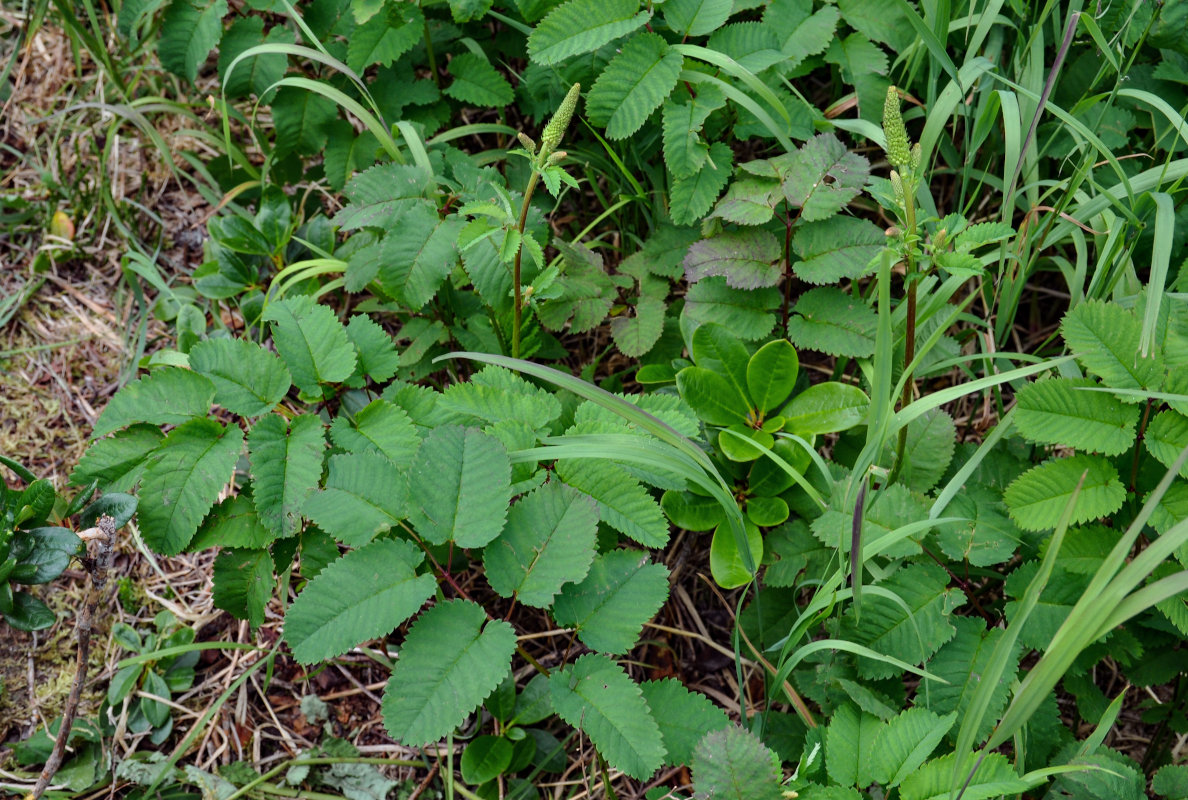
[
  {"x": 555, "y": 130},
  {"x": 898, "y": 149}
]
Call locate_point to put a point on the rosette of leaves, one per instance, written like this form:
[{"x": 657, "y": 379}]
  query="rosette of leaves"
[
  {"x": 161, "y": 677},
  {"x": 750, "y": 399},
  {"x": 33, "y": 551}
]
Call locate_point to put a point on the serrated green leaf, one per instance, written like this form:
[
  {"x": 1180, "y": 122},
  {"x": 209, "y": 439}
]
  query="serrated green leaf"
[
  {"x": 582, "y": 26},
  {"x": 190, "y": 29},
  {"x": 771, "y": 374},
  {"x": 248, "y": 380},
  {"x": 460, "y": 486},
  {"x": 418, "y": 259},
  {"x": 385, "y": 37},
  {"x": 684, "y": 717},
  {"x": 166, "y": 396},
  {"x": 380, "y": 427},
  {"x": 751, "y": 44},
  {"x": 731, "y": 764},
  {"x": 830, "y": 321},
  {"x": 311, "y": 340},
  {"x": 379, "y": 197},
  {"x": 836, "y": 249},
  {"x": 1054, "y": 412},
  {"x": 621, "y": 592},
  {"x": 234, "y": 523},
  {"x": 962, "y": 662},
  {"x": 257, "y": 73},
  {"x": 448, "y": 665},
  {"x": 862, "y": 63},
  {"x": 192, "y": 465},
  {"x": 345, "y": 154},
  {"x": 691, "y": 196},
  {"x": 477, "y": 83},
  {"x": 1038, "y": 497},
  {"x": 1061, "y": 593},
  {"x": 824, "y": 177},
  {"x": 377, "y": 352},
  {"x": 748, "y": 314},
  {"x": 364, "y": 496},
  {"x": 931, "y": 441},
  {"x": 849, "y": 746},
  {"x": 622, "y": 502},
  {"x": 286, "y": 468},
  {"x": 548, "y": 541},
  {"x": 633, "y": 85},
  {"x": 365, "y": 594},
  {"x": 799, "y": 33},
  {"x": 636, "y": 334},
  {"x": 992, "y": 776},
  {"x": 749, "y": 201},
  {"x": 301, "y": 119},
  {"x": 685, "y": 150},
  {"x": 825, "y": 408},
  {"x": 1166, "y": 438},
  {"x": 747, "y": 259},
  {"x": 118, "y": 461},
  {"x": 696, "y": 17},
  {"x": 912, "y": 634},
  {"x": 596, "y": 696},
  {"x": 905, "y": 742},
  {"x": 496, "y": 394},
  {"x": 1106, "y": 338},
  {"x": 987, "y": 537},
  {"x": 243, "y": 584}
]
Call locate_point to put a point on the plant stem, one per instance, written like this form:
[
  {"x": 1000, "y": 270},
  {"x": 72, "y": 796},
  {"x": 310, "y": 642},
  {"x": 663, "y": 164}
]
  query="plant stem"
[
  {"x": 432, "y": 59},
  {"x": 518, "y": 312},
  {"x": 909, "y": 342},
  {"x": 97, "y": 567}
]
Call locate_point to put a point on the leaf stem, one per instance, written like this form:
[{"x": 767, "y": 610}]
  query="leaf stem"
[
  {"x": 518, "y": 311},
  {"x": 909, "y": 342}
]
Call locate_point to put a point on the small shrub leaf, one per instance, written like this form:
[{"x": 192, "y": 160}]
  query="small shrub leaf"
[
  {"x": 190, "y": 29},
  {"x": 1038, "y": 497},
  {"x": 582, "y": 26},
  {"x": 824, "y": 177},
  {"x": 166, "y": 396},
  {"x": 365, "y": 495},
  {"x": 747, "y": 259},
  {"x": 633, "y": 85},
  {"x": 243, "y": 584},
  {"x": 379, "y": 427},
  {"x": 460, "y": 486},
  {"x": 622, "y": 502},
  {"x": 684, "y": 717},
  {"x": 311, "y": 340},
  {"x": 1106, "y": 338},
  {"x": 830, "y": 321},
  {"x": 477, "y": 83},
  {"x": 286, "y": 468},
  {"x": 621, "y": 592},
  {"x": 1055, "y": 412},
  {"x": 248, "y": 380},
  {"x": 731, "y": 764},
  {"x": 836, "y": 249}
]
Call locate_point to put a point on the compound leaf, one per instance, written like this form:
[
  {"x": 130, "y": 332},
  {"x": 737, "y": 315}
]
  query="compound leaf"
[
  {"x": 905, "y": 742},
  {"x": 363, "y": 595},
  {"x": 849, "y": 745},
  {"x": 192, "y": 465},
  {"x": 691, "y": 196},
  {"x": 696, "y": 17},
  {"x": 596, "y": 696},
  {"x": 418, "y": 258},
  {"x": 385, "y": 37},
  {"x": 378, "y": 359},
  {"x": 448, "y": 665},
  {"x": 1166, "y": 438},
  {"x": 685, "y": 150}
]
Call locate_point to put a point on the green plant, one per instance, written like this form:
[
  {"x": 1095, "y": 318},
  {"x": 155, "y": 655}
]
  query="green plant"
[
  {"x": 134, "y": 688},
  {"x": 35, "y": 552}
]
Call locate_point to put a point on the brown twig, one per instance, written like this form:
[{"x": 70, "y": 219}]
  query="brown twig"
[{"x": 99, "y": 542}]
